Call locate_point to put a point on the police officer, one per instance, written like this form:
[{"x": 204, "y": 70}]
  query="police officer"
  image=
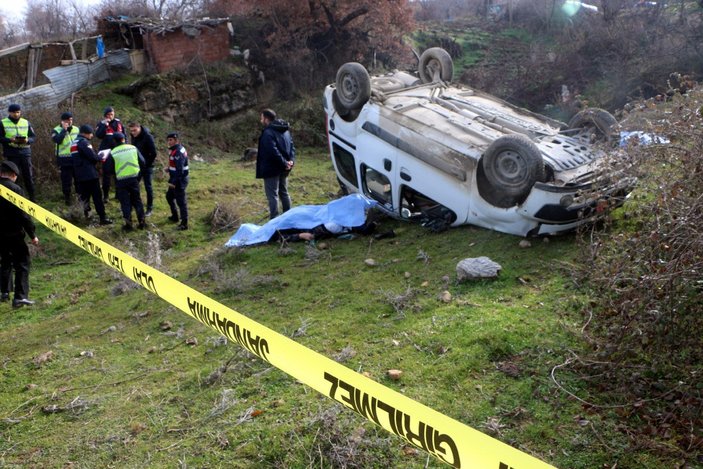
[
  {"x": 16, "y": 136},
  {"x": 63, "y": 135},
  {"x": 105, "y": 131},
  {"x": 13, "y": 250},
  {"x": 177, "y": 180},
  {"x": 126, "y": 162},
  {"x": 87, "y": 177}
]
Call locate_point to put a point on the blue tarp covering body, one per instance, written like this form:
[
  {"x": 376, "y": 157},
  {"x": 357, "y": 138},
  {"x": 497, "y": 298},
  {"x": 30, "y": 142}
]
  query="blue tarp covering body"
[{"x": 349, "y": 211}]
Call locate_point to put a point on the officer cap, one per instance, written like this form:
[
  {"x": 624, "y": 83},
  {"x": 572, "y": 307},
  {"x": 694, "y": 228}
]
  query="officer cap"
[
  {"x": 14, "y": 108},
  {"x": 85, "y": 129},
  {"x": 9, "y": 166},
  {"x": 108, "y": 109},
  {"x": 66, "y": 116},
  {"x": 172, "y": 135},
  {"x": 118, "y": 136}
]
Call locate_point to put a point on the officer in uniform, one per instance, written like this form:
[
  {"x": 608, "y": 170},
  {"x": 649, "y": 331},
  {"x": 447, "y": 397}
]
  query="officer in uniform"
[
  {"x": 16, "y": 136},
  {"x": 126, "y": 162},
  {"x": 177, "y": 180},
  {"x": 13, "y": 250},
  {"x": 87, "y": 177},
  {"x": 105, "y": 131},
  {"x": 63, "y": 135}
]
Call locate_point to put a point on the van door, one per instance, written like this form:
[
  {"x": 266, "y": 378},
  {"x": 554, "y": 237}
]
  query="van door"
[{"x": 377, "y": 172}]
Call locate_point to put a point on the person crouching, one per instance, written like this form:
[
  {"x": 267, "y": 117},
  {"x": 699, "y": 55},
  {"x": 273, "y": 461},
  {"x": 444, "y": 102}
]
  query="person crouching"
[{"x": 126, "y": 162}]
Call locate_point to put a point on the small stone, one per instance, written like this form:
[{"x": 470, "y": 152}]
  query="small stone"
[
  {"x": 322, "y": 246},
  {"x": 406, "y": 274},
  {"x": 395, "y": 343},
  {"x": 477, "y": 267},
  {"x": 394, "y": 374},
  {"x": 425, "y": 284},
  {"x": 545, "y": 240},
  {"x": 39, "y": 360},
  {"x": 30, "y": 386},
  {"x": 87, "y": 354},
  {"x": 166, "y": 325},
  {"x": 445, "y": 296},
  {"x": 370, "y": 262},
  {"x": 524, "y": 244},
  {"x": 192, "y": 341}
]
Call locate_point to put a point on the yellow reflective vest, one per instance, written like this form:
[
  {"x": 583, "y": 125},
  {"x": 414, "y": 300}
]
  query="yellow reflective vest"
[
  {"x": 126, "y": 161},
  {"x": 19, "y": 129}
]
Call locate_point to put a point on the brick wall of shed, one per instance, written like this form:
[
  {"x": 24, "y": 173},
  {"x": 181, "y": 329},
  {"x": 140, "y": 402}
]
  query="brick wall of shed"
[{"x": 176, "y": 50}]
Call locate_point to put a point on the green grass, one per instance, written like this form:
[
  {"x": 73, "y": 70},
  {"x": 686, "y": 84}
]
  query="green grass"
[{"x": 134, "y": 395}]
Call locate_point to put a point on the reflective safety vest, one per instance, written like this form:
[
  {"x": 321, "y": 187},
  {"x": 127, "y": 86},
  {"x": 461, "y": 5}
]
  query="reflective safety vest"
[
  {"x": 63, "y": 149},
  {"x": 20, "y": 129},
  {"x": 126, "y": 161}
]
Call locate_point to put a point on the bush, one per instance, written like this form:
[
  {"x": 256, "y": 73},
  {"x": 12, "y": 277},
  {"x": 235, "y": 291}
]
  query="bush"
[{"x": 647, "y": 311}]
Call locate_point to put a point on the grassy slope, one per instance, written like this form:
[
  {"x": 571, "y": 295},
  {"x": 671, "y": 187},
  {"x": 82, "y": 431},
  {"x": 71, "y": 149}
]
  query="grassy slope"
[{"x": 134, "y": 395}]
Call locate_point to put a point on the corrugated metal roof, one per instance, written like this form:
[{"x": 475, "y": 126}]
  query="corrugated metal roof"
[{"x": 67, "y": 79}]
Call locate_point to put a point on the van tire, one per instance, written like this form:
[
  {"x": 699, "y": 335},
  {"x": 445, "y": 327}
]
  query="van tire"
[
  {"x": 436, "y": 61},
  {"x": 353, "y": 86},
  {"x": 508, "y": 169},
  {"x": 597, "y": 124}
]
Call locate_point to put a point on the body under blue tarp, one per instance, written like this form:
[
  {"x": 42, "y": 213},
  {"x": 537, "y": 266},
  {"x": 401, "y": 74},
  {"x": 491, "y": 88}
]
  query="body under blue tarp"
[{"x": 349, "y": 211}]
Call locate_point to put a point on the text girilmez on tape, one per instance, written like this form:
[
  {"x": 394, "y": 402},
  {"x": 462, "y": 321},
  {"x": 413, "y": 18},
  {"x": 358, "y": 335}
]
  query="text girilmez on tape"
[{"x": 446, "y": 439}]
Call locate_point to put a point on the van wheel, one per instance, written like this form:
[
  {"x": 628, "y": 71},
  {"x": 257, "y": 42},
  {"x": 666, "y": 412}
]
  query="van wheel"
[
  {"x": 353, "y": 86},
  {"x": 594, "y": 125},
  {"x": 435, "y": 64},
  {"x": 508, "y": 169}
]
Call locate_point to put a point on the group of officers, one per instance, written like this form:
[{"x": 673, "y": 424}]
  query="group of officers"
[{"x": 78, "y": 165}]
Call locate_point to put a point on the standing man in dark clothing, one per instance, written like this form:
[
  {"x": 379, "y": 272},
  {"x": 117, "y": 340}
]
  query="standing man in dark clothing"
[
  {"x": 105, "y": 131},
  {"x": 177, "y": 180},
  {"x": 144, "y": 141},
  {"x": 274, "y": 161},
  {"x": 125, "y": 162},
  {"x": 16, "y": 136},
  {"x": 63, "y": 135},
  {"x": 13, "y": 250},
  {"x": 87, "y": 177}
]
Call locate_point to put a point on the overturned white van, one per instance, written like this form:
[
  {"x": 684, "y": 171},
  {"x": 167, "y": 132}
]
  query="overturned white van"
[{"x": 426, "y": 149}]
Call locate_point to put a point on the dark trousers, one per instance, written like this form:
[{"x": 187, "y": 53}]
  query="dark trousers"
[
  {"x": 129, "y": 197},
  {"x": 107, "y": 182},
  {"x": 66, "y": 182},
  {"x": 91, "y": 189},
  {"x": 14, "y": 254},
  {"x": 277, "y": 187},
  {"x": 148, "y": 176},
  {"x": 177, "y": 196},
  {"x": 24, "y": 164}
]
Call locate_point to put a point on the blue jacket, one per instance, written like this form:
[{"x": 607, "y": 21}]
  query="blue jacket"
[
  {"x": 275, "y": 149},
  {"x": 84, "y": 159},
  {"x": 105, "y": 132},
  {"x": 177, "y": 165}
]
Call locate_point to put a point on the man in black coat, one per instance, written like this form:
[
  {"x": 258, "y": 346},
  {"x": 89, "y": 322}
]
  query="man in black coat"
[
  {"x": 87, "y": 177},
  {"x": 144, "y": 141},
  {"x": 14, "y": 253},
  {"x": 274, "y": 160}
]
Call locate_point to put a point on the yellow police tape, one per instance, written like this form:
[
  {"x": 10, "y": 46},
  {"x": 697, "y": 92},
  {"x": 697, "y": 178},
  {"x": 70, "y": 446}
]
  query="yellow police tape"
[{"x": 447, "y": 439}]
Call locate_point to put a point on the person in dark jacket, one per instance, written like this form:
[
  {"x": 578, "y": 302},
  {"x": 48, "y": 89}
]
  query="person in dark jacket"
[
  {"x": 144, "y": 141},
  {"x": 17, "y": 136},
  {"x": 87, "y": 177},
  {"x": 274, "y": 161},
  {"x": 177, "y": 180},
  {"x": 63, "y": 135},
  {"x": 14, "y": 253},
  {"x": 105, "y": 131},
  {"x": 126, "y": 163}
]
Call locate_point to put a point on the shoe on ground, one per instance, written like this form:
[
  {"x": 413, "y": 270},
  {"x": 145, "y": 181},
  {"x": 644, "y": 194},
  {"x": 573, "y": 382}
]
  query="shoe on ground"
[
  {"x": 142, "y": 225},
  {"x": 148, "y": 213},
  {"x": 105, "y": 221},
  {"x": 106, "y": 200},
  {"x": 22, "y": 302},
  {"x": 182, "y": 227},
  {"x": 5, "y": 297},
  {"x": 128, "y": 227},
  {"x": 173, "y": 218}
]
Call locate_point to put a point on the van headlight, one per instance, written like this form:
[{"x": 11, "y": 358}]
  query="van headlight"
[{"x": 566, "y": 200}]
